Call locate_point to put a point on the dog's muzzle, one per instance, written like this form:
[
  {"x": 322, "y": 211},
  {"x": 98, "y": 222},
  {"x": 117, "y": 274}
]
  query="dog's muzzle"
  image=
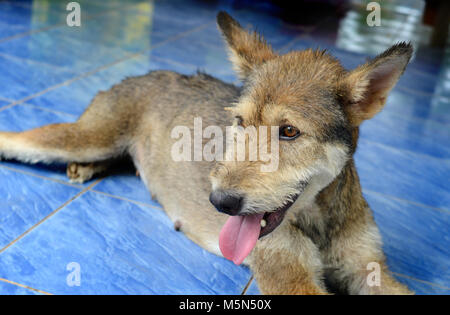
[{"x": 227, "y": 202}]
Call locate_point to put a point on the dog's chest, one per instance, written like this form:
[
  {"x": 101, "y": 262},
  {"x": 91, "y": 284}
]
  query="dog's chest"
[{"x": 311, "y": 222}]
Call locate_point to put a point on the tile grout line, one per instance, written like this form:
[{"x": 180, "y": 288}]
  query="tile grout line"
[
  {"x": 6, "y": 99},
  {"x": 417, "y": 92},
  {"x": 421, "y": 281},
  {"x": 24, "y": 286},
  {"x": 67, "y": 82},
  {"x": 390, "y": 147},
  {"x": 444, "y": 210},
  {"x": 144, "y": 270},
  {"x": 81, "y": 187},
  {"x": 139, "y": 203},
  {"x": 98, "y": 69},
  {"x": 35, "y": 62},
  {"x": 419, "y": 120},
  {"x": 51, "y": 110},
  {"x": 50, "y": 215},
  {"x": 247, "y": 286},
  {"x": 421, "y": 72},
  {"x": 41, "y": 177}
]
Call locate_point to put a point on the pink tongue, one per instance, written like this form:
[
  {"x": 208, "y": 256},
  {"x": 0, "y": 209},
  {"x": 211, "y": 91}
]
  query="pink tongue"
[{"x": 239, "y": 236}]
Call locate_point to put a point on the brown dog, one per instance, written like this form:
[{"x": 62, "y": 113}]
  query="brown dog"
[{"x": 309, "y": 215}]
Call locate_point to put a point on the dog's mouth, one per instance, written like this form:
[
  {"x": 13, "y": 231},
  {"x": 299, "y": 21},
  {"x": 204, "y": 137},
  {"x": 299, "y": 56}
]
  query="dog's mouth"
[
  {"x": 240, "y": 233},
  {"x": 271, "y": 220}
]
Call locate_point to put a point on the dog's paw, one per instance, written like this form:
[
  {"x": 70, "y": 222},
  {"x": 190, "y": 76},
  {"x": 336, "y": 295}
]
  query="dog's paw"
[{"x": 80, "y": 173}]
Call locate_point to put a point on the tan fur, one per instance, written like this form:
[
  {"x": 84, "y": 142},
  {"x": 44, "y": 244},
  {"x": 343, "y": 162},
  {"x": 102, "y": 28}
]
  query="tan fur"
[{"x": 328, "y": 233}]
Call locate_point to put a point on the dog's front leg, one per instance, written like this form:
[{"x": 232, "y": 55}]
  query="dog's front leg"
[
  {"x": 357, "y": 264},
  {"x": 287, "y": 262}
]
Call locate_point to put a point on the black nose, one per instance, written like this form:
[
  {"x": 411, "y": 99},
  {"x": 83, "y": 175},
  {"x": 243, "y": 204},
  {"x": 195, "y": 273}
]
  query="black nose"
[{"x": 226, "y": 202}]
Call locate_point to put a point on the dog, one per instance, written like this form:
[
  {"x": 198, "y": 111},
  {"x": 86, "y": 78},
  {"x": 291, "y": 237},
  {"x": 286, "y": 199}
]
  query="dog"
[{"x": 304, "y": 228}]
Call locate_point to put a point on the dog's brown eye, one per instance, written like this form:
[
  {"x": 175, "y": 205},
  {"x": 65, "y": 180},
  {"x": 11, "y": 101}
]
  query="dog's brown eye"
[{"x": 289, "y": 133}]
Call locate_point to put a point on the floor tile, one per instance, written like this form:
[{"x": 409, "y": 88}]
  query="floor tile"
[
  {"x": 418, "y": 81},
  {"x": 74, "y": 55},
  {"x": 419, "y": 106},
  {"x": 22, "y": 117},
  {"x": 122, "y": 248},
  {"x": 134, "y": 29},
  {"x": 11, "y": 289},
  {"x": 26, "y": 16},
  {"x": 403, "y": 174},
  {"x": 415, "y": 238},
  {"x": 8, "y": 30},
  {"x": 16, "y": 18},
  {"x": 204, "y": 50},
  {"x": 22, "y": 78},
  {"x": 3, "y": 103},
  {"x": 423, "y": 288},
  {"x": 26, "y": 200},
  {"x": 108, "y": 35},
  {"x": 127, "y": 186},
  {"x": 76, "y": 96},
  {"x": 408, "y": 133}
]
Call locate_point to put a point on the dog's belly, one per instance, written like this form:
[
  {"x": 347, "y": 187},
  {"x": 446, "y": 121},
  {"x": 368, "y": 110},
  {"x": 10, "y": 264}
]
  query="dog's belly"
[{"x": 182, "y": 188}]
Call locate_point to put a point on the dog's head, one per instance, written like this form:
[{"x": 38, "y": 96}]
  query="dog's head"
[{"x": 317, "y": 105}]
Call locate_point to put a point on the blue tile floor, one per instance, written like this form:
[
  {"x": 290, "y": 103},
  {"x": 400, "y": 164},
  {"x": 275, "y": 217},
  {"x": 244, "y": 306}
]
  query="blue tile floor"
[{"x": 120, "y": 238}]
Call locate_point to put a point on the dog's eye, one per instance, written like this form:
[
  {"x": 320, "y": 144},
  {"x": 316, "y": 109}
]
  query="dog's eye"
[
  {"x": 289, "y": 133},
  {"x": 239, "y": 120}
]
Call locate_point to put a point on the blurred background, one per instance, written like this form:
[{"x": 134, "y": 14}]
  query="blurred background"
[{"x": 112, "y": 228}]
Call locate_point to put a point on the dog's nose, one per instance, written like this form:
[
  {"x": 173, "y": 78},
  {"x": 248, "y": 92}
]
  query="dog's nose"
[{"x": 226, "y": 202}]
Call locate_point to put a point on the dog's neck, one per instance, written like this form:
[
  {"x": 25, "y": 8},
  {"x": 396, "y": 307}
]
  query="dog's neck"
[
  {"x": 342, "y": 199},
  {"x": 334, "y": 209}
]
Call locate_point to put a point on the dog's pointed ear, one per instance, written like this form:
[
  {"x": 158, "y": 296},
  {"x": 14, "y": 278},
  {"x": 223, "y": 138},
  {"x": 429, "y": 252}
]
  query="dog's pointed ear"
[
  {"x": 367, "y": 87},
  {"x": 247, "y": 50}
]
